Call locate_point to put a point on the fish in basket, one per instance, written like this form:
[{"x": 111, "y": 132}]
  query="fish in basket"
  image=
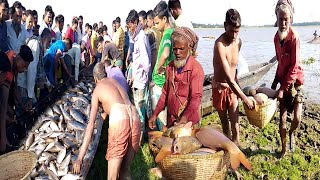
[{"x": 195, "y": 151}]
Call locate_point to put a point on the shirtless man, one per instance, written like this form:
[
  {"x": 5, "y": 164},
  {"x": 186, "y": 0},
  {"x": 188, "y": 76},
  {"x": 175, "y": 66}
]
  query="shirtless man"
[
  {"x": 124, "y": 125},
  {"x": 225, "y": 88}
]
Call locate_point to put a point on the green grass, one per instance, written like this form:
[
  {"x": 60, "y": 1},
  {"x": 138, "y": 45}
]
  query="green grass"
[
  {"x": 309, "y": 61},
  {"x": 261, "y": 146}
]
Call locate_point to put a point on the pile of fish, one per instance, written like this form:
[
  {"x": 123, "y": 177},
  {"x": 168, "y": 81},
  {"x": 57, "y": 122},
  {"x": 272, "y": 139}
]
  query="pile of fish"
[
  {"x": 59, "y": 132},
  {"x": 183, "y": 139}
]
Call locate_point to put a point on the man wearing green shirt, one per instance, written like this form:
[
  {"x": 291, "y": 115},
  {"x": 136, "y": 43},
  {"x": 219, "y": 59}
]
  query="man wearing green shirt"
[{"x": 165, "y": 56}]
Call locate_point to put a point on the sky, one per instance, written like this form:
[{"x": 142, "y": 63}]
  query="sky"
[{"x": 253, "y": 12}]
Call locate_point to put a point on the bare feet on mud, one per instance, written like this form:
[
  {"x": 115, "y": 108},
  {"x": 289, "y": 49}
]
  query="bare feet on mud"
[
  {"x": 292, "y": 142},
  {"x": 283, "y": 153},
  {"x": 239, "y": 176}
]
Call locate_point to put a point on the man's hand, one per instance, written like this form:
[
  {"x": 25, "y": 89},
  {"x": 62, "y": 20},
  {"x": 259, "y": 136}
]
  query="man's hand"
[
  {"x": 152, "y": 122},
  {"x": 160, "y": 70},
  {"x": 249, "y": 103},
  {"x": 77, "y": 166},
  {"x": 280, "y": 95}
]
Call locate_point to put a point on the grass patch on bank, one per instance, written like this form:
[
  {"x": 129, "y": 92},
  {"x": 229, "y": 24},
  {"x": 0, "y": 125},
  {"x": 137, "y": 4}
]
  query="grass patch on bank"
[{"x": 261, "y": 146}]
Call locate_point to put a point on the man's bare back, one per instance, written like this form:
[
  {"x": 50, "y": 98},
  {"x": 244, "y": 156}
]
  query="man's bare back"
[
  {"x": 109, "y": 92},
  {"x": 225, "y": 51}
]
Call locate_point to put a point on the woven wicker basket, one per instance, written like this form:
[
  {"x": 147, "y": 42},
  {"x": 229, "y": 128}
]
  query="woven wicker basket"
[
  {"x": 196, "y": 166},
  {"x": 263, "y": 115},
  {"x": 17, "y": 165}
]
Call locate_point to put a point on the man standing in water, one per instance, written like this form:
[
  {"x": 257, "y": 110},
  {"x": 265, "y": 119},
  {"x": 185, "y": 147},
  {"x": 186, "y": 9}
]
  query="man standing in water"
[
  {"x": 124, "y": 125},
  {"x": 224, "y": 83},
  {"x": 289, "y": 73}
]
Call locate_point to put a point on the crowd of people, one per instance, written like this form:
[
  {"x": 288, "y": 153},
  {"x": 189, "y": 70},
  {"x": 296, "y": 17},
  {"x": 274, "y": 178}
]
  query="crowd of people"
[{"x": 147, "y": 74}]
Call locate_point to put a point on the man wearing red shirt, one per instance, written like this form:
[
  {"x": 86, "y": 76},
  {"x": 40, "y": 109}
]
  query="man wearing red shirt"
[
  {"x": 289, "y": 73},
  {"x": 72, "y": 31},
  {"x": 182, "y": 90}
]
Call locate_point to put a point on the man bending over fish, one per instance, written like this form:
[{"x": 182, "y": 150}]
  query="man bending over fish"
[
  {"x": 289, "y": 72},
  {"x": 182, "y": 90},
  {"x": 225, "y": 88},
  {"x": 124, "y": 125}
]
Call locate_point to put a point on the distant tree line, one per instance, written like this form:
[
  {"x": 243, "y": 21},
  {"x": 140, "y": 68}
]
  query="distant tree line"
[{"x": 198, "y": 25}]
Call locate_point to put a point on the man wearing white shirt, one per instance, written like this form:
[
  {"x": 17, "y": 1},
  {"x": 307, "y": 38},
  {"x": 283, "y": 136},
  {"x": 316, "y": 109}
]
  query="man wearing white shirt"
[
  {"x": 176, "y": 12},
  {"x": 59, "y": 26},
  {"x": 26, "y": 81},
  {"x": 47, "y": 20},
  {"x": 16, "y": 33},
  {"x": 80, "y": 30},
  {"x": 29, "y": 23}
]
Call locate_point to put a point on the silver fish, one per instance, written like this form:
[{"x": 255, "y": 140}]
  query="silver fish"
[
  {"x": 71, "y": 177},
  {"x": 66, "y": 116},
  {"x": 70, "y": 136},
  {"x": 51, "y": 174},
  {"x": 75, "y": 125},
  {"x": 42, "y": 178},
  {"x": 77, "y": 116},
  {"x": 45, "y": 125},
  {"x": 62, "y": 172},
  {"x": 29, "y": 141},
  {"x": 65, "y": 162},
  {"x": 78, "y": 136},
  {"x": 55, "y": 134},
  {"x": 34, "y": 173},
  {"x": 57, "y": 110},
  {"x": 68, "y": 144},
  {"x": 49, "y": 140},
  {"x": 54, "y": 126},
  {"x": 53, "y": 168},
  {"x": 61, "y": 155},
  {"x": 88, "y": 110},
  {"x": 81, "y": 98},
  {"x": 49, "y": 112},
  {"x": 54, "y": 147},
  {"x": 45, "y": 135}
]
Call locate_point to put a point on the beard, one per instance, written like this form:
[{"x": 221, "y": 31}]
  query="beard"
[
  {"x": 283, "y": 34},
  {"x": 179, "y": 63}
]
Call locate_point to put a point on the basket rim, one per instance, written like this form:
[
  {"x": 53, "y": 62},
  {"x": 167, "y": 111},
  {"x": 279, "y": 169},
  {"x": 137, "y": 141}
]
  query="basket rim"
[
  {"x": 22, "y": 151},
  {"x": 193, "y": 156},
  {"x": 264, "y": 105}
]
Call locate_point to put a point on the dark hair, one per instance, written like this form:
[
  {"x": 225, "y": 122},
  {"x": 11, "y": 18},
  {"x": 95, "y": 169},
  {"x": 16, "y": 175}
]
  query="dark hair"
[
  {"x": 118, "y": 20},
  {"x": 86, "y": 25},
  {"x": 81, "y": 17},
  {"x": 17, "y": 4},
  {"x": 104, "y": 28},
  {"x": 29, "y": 13},
  {"x": 100, "y": 30},
  {"x": 23, "y": 8},
  {"x": 161, "y": 10},
  {"x": 150, "y": 14},
  {"x": 142, "y": 14},
  {"x": 59, "y": 19},
  {"x": 35, "y": 13},
  {"x": 69, "y": 41},
  {"x": 133, "y": 17},
  {"x": 5, "y": 65},
  {"x": 6, "y": 4},
  {"x": 48, "y": 9},
  {"x": 100, "y": 39},
  {"x": 89, "y": 26},
  {"x": 174, "y": 4},
  {"x": 75, "y": 21},
  {"x": 233, "y": 18},
  {"x": 25, "y": 53},
  {"x": 95, "y": 25},
  {"x": 45, "y": 33},
  {"x": 114, "y": 22},
  {"x": 11, "y": 10},
  {"x": 99, "y": 71},
  {"x": 100, "y": 22}
]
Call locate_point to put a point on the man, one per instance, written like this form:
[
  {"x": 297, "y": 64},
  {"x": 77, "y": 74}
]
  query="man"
[
  {"x": 72, "y": 31},
  {"x": 113, "y": 71},
  {"x": 110, "y": 52},
  {"x": 165, "y": 56},
  {"x": 59, "y": 26},
  {"x": 151, "y": 38},
  {"x": 16, "y": 33},
  {"x": 87, "y": 41},
  {"x": 4, "y": 6},
  {"x": 100, "y": 24},
  {"x": 26, "y": 81},
  {"x": 140, "y": 65},
  {"x": 225, "y": 88},
  {"x": 80, "y": 30},
  {"x": 182, "y": 90},
  {"x": 176, "y": 12},
  {"x": 106, "y": 36},
  {"x": 124, "y": 125},
  {"x": 94, "y": 38},
  {"x": 19, "y": 63},
  {"x": 151, "y": 27},
  {"x": 28, "y": 25},
  {"x": 75, "y": 55},
  {"x": 47, "y": 19},
  {"x": 119, "y": 37},
  {"x": 289, "y": 73},
  {"x": 35, "y": 18},
  {"x": 52, "y": 59}
]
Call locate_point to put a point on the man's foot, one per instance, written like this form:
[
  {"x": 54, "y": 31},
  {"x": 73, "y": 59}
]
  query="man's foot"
[
  {"x": 283, "y": 153},
  {"x": 292, "y": 142},
  {"x": 239, "y": 176}
]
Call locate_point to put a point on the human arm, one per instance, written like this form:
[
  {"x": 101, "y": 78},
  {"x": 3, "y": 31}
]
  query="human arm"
[
  {"x": 77, "y": 62},
  {"x": 32, "y": 68},
  {"x": 56, "y": 62},
  {"x": 219, "y": 50},
  {"x": 164, "y": 56},
  {"x": 88, "y": 132}
]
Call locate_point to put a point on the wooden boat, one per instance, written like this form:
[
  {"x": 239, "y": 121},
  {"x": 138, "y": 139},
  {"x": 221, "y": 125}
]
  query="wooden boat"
[{"x": 256, "y": 72}]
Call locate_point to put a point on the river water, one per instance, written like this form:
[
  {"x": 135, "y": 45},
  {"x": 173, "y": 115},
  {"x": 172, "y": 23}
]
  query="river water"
[{"x": 257, "y": 47}]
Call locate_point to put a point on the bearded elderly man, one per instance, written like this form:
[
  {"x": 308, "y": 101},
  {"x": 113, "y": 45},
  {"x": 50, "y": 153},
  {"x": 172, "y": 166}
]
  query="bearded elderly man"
[
  {"x": 182, "y": 90},
  {"x": 289, "y": 72}
]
